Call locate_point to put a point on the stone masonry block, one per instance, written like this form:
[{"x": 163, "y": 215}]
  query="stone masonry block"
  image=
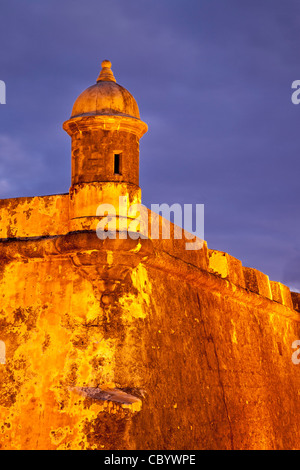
[
  {"x": 281, "y": 294},
  {"x": 296, "y": 300},
  {"x": 227, "y": 267},
  {"x": 257, "y": 282}
]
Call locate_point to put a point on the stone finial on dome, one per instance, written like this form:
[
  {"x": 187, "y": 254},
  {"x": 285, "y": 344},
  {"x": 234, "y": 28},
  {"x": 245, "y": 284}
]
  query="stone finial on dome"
[{"x": 106, "y": 74}]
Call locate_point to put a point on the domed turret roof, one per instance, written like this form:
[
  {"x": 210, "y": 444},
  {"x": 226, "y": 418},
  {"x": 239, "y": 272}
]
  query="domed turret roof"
[{"x": 106, "y": 97}]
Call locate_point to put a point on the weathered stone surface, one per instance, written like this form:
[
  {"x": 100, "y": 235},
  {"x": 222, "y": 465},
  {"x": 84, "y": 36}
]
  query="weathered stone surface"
[
  {"x": 112, "y": 395},
  {"x": 227, "y": 267},
  {"x": 93, "y": 156},
  {"x": 296, "y": 300},
  {"x": 105, "y": 97},
  {"x": 34, "y": 216},
  {"x": 281, "y": 294},
  {"x": 209, "y": 362},
  {"x": 257, "y": 282},
  {"x": 135, "y": 343}
]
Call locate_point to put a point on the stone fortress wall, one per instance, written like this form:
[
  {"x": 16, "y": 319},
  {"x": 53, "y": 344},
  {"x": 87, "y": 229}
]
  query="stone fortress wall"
[
  {"x": 199, "y": 346},
  {"x": 134, "y": 343}
]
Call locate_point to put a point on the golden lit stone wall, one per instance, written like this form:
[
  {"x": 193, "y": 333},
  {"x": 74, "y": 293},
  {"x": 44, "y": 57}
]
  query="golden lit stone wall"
[
  {"x": 222, "y": 375},
  {"x": 34, "y": 216},
  {"x": 57, "y": 337},
  {"x": 93, "y": 156},
  {"x": 134, "y": 343},
  {"x": 195, "y": 341}
]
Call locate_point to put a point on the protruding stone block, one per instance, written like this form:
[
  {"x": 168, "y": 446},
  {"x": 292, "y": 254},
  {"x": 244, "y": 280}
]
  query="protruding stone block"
[
  {"x": 281, "y": 294},
  {"x": 257, "y": 282},
  {"x": 296, "y": 300},
  {"x": 227, "y": 267},
  {"x": 95, "y": 394}
]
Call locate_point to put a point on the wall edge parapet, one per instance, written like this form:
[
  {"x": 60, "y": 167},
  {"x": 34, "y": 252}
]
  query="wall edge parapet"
[{"x": 225, "y": 273}]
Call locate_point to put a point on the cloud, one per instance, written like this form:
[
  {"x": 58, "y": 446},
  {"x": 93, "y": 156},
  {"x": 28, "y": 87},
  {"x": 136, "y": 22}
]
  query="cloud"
[{"x": 14, "y": 164}]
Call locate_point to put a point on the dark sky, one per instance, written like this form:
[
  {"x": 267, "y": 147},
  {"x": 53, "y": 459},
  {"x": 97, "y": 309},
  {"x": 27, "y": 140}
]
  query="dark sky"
[{"x": 212, "y": 79}]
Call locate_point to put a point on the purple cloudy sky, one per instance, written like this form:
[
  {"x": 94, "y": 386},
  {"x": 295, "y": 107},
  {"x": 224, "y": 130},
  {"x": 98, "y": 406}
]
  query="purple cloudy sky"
[{"x": 213, "y": 81}]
